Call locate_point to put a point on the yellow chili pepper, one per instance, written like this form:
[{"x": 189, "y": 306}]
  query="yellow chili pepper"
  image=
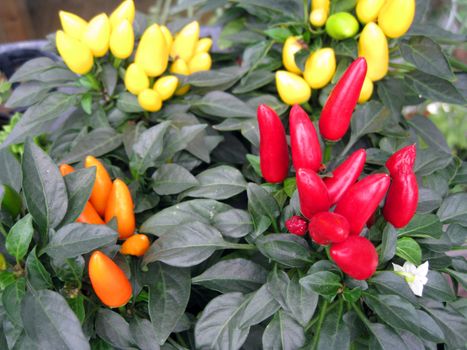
[
  {"x": 292, "y": 45},
  {"x": 185, "y": 42},
  {"x": 396, "y": 17},
  {"x": 180, "y": 67},
  {"x": 200, "y": 62},
  {"x": 150, "y": 100},
  {"x": 368, "y": 10},
  {"x": 72, "y": 24},
  {"x": 319, "y": 12},
  {"x": 135, "y": 79},
  {"x": 122, "y": 40},
  {"x": 320, "y": 68},
  {"x": 292, "y": 88},
  {"x": 152, "y": 53},
  {"x": 367, "y": 90},
  {"x": 126, "y": 10},
  {"x": 166, "y": 86},
  {"x": 76, "y": 55},
  {"x": 168, "y": 37},
  {"x": 373, "y": 45},
  {"x": 97, "y": 35},
  {"x": 203, "y": 45}
]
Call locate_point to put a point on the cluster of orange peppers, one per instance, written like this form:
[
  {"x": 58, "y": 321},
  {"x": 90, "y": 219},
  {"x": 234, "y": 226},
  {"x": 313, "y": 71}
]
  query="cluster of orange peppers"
[{"x": 110, "y": 200}]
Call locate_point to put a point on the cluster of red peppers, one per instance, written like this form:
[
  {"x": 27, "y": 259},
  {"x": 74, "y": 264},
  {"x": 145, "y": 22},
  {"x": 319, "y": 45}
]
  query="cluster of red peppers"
[{"x": 354, "y": 202}]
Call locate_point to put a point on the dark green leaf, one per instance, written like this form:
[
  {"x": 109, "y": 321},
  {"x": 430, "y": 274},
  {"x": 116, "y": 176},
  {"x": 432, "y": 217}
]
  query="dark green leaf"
[
  {"x": 261, "y": 202},
  {"x": 324, "y": 283},
  {"x": 37, "y": 275},
  {"x": 28, "y": 94},
  {"x": 436, "y": 33},
  {"x": 69, "y": 270},
  {"x": 223, "y": 78},
  {"x": 289, "y": 250},
  {"x": 109, "y": 78},
  {"x": 427, "y": 56},
  {"x": 77, "y": 238},
  {"x": 50, "y": 323},
  {"x": 409, "y": 250},
  {"x": 454, "y": 209},
  {"x": 143, "y": 334},
  {"x": 220, "y": 104},
  {"x": 385, "y": 338},
  {"x": 283, "y": 333},
  {"x": 233, "y": 275},
  {"x": 301, "y": 302},
  {"x": 77, "y": 305},
  {"x": 423, "y": 225},
  {"x": 452, "y": 323},
  {"x": 430, "y": 160},
  {"x": 221, "y": 182},
  {"x": 261, "y": 306},
  {"x": 11, "y": 170},
  {"x": 128, "y": 103},
  {"x": 388, "y": 244},
  {"x": 233, "y": 223},
  {"x": 391, "y": 93},
  {"x": 369, "y": 118},
  {"x": 172, "y": 179},
  {"x": 219, "y": 324},
  {"x": 42, "y": 69},
  {"x": 428, "y": 200},
  {"x": 19, "y": 237},
  {"x": 438, "y": 287},
  {"x": 388, "y": 282},
  {"x": 44, "y": 188},
  {"x": 11, "y": 300},
  {"x": 253, "y": 81},
  {"x": 186, "y": 245},
  {"x": 428, "y": 327},
  {"x": 168, "y": 298},
  {"x": 113, "y": 328},
  {"x": 430, "y": 133},
  {"x": 335, "y": 334}
]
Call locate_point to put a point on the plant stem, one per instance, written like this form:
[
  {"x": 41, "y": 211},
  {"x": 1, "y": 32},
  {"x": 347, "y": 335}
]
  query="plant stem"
[
  {"x": 117, "y": 62},
  {"x": 274, "y": 225},
  {"x": 243, "y": 246},
  {"x": 361, "y": 315},
  {"x": 327, "y": 152},
  {"x": 322, "y": 314},
  {"x": 3, "y": 231},
  {"x": 458, "y": 64}
]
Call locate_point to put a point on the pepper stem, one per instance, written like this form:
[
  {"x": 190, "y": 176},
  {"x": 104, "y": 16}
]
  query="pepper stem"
[
  {"x": 322, "y": 314},
  {"x": 117, "y": 62},
  {"x": 327, "y": 152}
]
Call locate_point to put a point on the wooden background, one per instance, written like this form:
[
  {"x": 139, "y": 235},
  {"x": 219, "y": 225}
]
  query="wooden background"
[{"x": 34, "y": 19}]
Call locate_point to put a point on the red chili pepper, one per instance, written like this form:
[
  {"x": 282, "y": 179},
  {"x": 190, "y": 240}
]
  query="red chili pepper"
[
  {"x": 337, "y": 111},
  {"x": 306, "y": 150},
  {"x": 296, "y": 225},
  {"x": 361, "y": 200},
  {"x": 312, "y": 192},
  {"x": 273, "y": 152},
  {"x": 326, "y": 228},
  {"x": 402, "y": 199},
  {"x": 345, "y": 175},
  {"x": 356, "y": 256}
]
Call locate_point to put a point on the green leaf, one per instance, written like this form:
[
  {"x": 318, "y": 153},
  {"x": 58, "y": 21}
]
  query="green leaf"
[
  {"x": 234, "y": 223},
  {"x": 186, "y": 245},
  {"x": 452, "y": 323},
  {"x": 423, "y": 225},
  {"x": 385, "y": 338},
  {"x": 221, "y": 182},
  {"x": 37, "y": 275},
  {"x": 143, "y": 334},
  {"x": 149, "y": 146},
  {"x": 427, "y": 56},
  {"x": 261, "y": 202},
  {"x": 11, "y": 170},
  {"x": 388, "y": 244},
  {"x": 438, "y": 288},
  {"x": 79, "y": 185},
  {"x": 77, "y": 238},
  {"x": 39, "y": 117},
  {"x": 430, "y": 133},
  {"x": 19, "y": 237},
  {"x": 218, "y": 326},
  {"x": 172, "y": 179},
  {"x": 233, "y": 275},
  {"x": 218, "y": 104},
  {"x": 428, "y": 327},
  {"x": 335, "y": 334},
  {"x": 114, "y": 329},
  {"x": 409, "y": 250},
  {"x": 283, "y": 332},
  {"x": 109, "y": 78},
  {"x": 286, "y": 249},
  {"x": 86, "y": 103},
  {"x": 369, "y": 118},
  {"x": 27, "y": 94},
  {"x": 168, "y": 219},
  {"x": 69, "y": 270},
  {"x": 221, "y": 79},
  {"x": 433, "y": 88},
  {"x": 11, "y": 301},
  {"x": 301, "y": 302},
  {"x": 278, "y": 34},
  {"x": 461, "y": 277},
  {"x": 387, "y": 282},
  {"x": 168, "y": 298},
  {"x": 42, "y": 69},
  {"x": 347, "y": 48},
  {"x": 454, "y": 209},
  {"x": 128, "y": 103},
  {"x": 77, "y": 305},
  {"x": 430, "y": 160},
  {"x": 391, "y": 93},
  {"x": 324, "y": 283},
  {"x": 254, "y": 81},
  {"x": 50, "y": 323},
  {"x": 43, "y": 187},
  {"x": 260, "y": 307},
  {"x": 98, "y": 142},
  {"x": 436, "y": 33}
]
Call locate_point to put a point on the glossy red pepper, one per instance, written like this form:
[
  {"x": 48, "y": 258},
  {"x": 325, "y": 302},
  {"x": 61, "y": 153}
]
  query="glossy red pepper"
[
  {"x": 345, "y": 175},
  {"x": 273, "y": 152},
  {"x": 402, "y": 199},
  {"x": 337, "y": 111},
  {"x": 306, "y": 150},
  {"x": 312, "y": 192},
  {"x": 326, "y": 228},
  {"x": 356, "y": 256},
  {"x": 361, "y": 200},
  {"x": 296, "y": 225}
]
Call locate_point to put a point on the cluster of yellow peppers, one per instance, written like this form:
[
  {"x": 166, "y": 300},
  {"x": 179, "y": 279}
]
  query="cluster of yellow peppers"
[
  {"x": 382, "y": 19},
  {"x": 80, "y": 42}
]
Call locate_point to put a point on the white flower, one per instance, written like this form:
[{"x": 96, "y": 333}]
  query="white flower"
[{"x": 415, "y": 276}]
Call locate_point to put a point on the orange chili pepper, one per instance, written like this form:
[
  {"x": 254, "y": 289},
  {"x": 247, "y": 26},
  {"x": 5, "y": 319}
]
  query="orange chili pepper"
[
  {"x": 89, "y": 214},
  {"x": 136, "y": 245},
  {"x": 102, "y": 185},
  {"x": 108, "y": 280},
  {"x": 120, "y": 205}
]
